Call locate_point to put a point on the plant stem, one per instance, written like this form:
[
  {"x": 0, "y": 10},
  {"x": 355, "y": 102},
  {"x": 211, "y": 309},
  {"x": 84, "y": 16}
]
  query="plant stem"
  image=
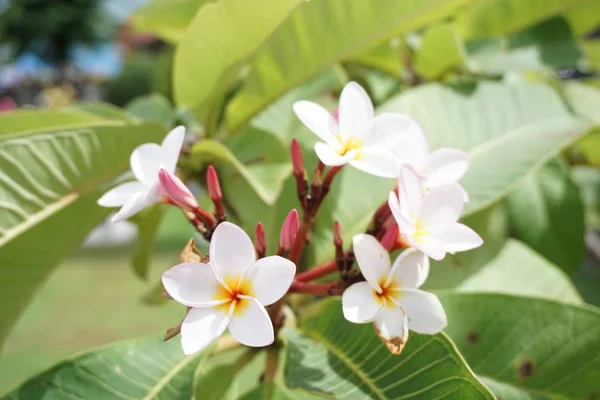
[
  {"x": 272, "y": 363},
  {"x": 319, "y": 289},
  {"x": 318, "y": 271}
]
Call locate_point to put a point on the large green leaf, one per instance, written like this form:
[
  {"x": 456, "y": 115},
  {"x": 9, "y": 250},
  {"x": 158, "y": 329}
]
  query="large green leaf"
[
  {"x": 220, "y": 38},
  {"x": 154, "y": 107},
  {"x": 527, "y": 348},
  {"x": 148, "y": 222},
  {"x": 24, "y": 120},
  {"x": 517, "y": 269},
  {"x": 588, "y": 180},
  {"x": 145, "y": 368},
  {"x": 327, "y": 354},
  {"x": 547, "y": 214},
  {"x": 526, "y": 121},
  {"x": 325, "y": 32},
  {"x": 584, "y": 18},
  {"x": 584, "y": 100},
  {"x": 501, "y": 17},
  {"x": 441, "y": 49},
  {"x": 102, "y": 110},
  {"x": 50, "y": 182},
  {"x": 167, "y": 19}
]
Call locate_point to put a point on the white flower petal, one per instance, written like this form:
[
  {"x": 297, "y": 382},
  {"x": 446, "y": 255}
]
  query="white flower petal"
[
  {"x": 171, "y": 147},
  {"x": 250, "y": 324},
  {"x": 414, "y": 149},
  {"x": 456, "y": 237},
  {"x": 373, "y": 260},
  {"x": 360, "y": 303},
  {"x": 271, "y": 278},
  {"x": 330, "y": 157},
  {"x": 194, "y": 284},
  {"x": 425, "y": 312},
  {"x": 429, "y": 245},
  {"x": 444, "y": 166},
  {"x": 410, "y": 269},
  {"x": 318, "y": 120},
  {"x": 406, "y": 227},
  {"x": 119, "y": 195},
  {"x": 355, "y": 110},
  {"x": 442, "y": 205},
  {"x": 375, "y": 161},
  {"x": 387, "y": 131},
  {"x": 145, "y": 162},
  {"x": 134, "y": 205},
  {"x": 392, "y": 323},
  {"x": 410, "y": 193},
  {"x": 231, "y": 252},
  {"x": 201, "y": 327}
]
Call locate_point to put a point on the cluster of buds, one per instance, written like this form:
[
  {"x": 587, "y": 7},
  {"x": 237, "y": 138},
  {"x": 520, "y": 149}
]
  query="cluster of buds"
[{"x": 238, "y": 288}]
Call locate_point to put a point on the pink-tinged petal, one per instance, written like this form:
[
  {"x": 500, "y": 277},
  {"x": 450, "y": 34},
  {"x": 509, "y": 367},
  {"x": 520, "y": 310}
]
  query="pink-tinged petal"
[
  {"x": 250, "y": 324},
  {"x": 176, "y": 190},
  {"x": 373, "y": 260},
  {"x": 414, "y": 149},
  {"x": 410, "y": 193},
  {"x": 271, "y": 278},
  {"x": 392, "y": 323},
  {"x": 134, "y": 205},
  {"x": 330, "y": 157},
  {"x": 456, "y": 237},
  {"x": 355, "y": 110},
  {"x": 118, "y": 196},
  {"x": 194, "y": 284},
  {"x": 406, "y": 227},
  {"x": 375, "y": 161},
  {"x": 387, "y": 131},
  {"x": 318, "y": 120},
  {"x": 425, "y": 312},
  {"x": 231, "y": 252},
  {"x": 429, "y": 245},
  {"x": 410, "y": 269},
  {"x": 171, "y": 147},
  {"x": 360, "y": 303},
  {"x": 145, "y": 162},
  {"x": 442, "y": 205},
  {"x": 444, "y": 166},
  {"x": 201, "y": 327}
]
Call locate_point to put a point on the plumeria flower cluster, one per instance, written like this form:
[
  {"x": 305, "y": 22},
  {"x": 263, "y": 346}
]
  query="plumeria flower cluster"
[{"x": 239, "y": 289}]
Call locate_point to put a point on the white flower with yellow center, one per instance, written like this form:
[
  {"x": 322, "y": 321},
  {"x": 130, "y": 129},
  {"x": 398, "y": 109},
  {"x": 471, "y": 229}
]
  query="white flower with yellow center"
[
  {"x": 390, "y": 297},
  {"x": 429, "y": 221},
  {"x": 359, "y": 138},
  {"x": 230, "y": 293}
]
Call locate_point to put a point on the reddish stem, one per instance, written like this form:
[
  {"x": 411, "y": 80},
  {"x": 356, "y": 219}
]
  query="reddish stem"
[
  {"x": 317, "y": 271},
  {"x": 319, "y": 289}
]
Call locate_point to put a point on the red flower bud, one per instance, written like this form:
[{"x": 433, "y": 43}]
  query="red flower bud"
[
  {"x": 297, "y": 161},
  {"x": 289, "y": 230},
  {"x": 259, "y": 240},
  {"x": 391, "y": 238},
  {"x": 176, "y": 190},
  {"x": 212, "y": 182},
  {"x": 338, "y": 241}
]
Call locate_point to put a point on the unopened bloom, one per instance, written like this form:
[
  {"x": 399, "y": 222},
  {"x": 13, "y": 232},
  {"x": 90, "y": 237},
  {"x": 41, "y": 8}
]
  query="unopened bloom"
[
  {"x": 146, "y": 160},
  {"x": 176, "y": 191},
  {"x": 429, "y": 221},
  {"x": 289, "y": 230},
  {"x": 356, "y": 136},
  {"x": 445, "y": 165},
  {"x": 230, "y": 293},
  {"x": 390, "y": 297}
]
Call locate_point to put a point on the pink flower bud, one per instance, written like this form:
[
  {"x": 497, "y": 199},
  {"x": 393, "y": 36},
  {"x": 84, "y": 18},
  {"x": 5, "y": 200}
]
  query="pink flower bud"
[
  {"x": 212, "y": 182},
  {"x": 176, "y": 190},
  {"x": 259, "y": 240},
  {"x": 289, "y": 229},
  {"x": 297, "y": 161},
  {"x": 336, "y": 114},
  {"x": 338, "y": 241},
  {"x": 391, "y": 238}
]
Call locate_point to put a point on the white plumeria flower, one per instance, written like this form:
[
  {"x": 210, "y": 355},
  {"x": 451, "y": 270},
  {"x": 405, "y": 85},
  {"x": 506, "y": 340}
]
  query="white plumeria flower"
[
  {"x": 390, "y": 297},
  {"x": 146, "y": 161},
  {"x": 359, "y": 139},
  {"x": 429, "y": 221},
  {"x": 445, "y": 165},
  {"x": 231, "y": 292}
]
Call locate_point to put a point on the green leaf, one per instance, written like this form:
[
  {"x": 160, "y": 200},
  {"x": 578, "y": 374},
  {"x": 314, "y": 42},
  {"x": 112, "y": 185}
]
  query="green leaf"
[
  {"x": 324, "y": 32},
  {"x": 148, "y": 222},
  {"x": 221, "y": 37},
  {"x": 145, "y": 368},
  {"x": 154, "y": 107},
  {"x": 547, "y": 214},
  {"x": 24, "y": 120},
  {"x": 584, "y": 18},
  {"x": 52, "y": 178},
  {"x": 278, "y": 391},
  {"x": 167, "y": 19},
  {"x": 256, "y": 156},
  {"x": 518, "y": 270},
  {"x": 385, "y": 57},
  {"x": 584, "y": 100},
  {"x": 103, "y": 110},
  {"x": 441, "y": 50},
  {"x": 527, "y": 348},
  {"x": 216, "y": 383},
  {"x": 588, "y": 180},
  {"x": 332, "y": 356},
  {"x": 527, "y": 121},
  {"x": 493, "y": 18}
]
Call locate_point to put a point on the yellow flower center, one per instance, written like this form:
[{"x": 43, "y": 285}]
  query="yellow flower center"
[
  {"x": 347, "y": 144},
  {"x": 238, "y": 287},
  {"x": 389, "y": 293}
]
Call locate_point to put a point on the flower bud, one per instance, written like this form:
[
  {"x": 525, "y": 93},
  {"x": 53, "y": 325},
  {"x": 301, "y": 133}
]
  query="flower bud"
[
  {"x": 289, "y": 229},
  {"x": 391, "y": 238},
  {"x": 212, "y": 182},
  {"x": 259, "y": 240},
  {"x": 297, "y": 161},
  {"x": 176, "y": 190},
  {"x": 336, "y": 114},
  {"x": 338, "y": 241}
]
